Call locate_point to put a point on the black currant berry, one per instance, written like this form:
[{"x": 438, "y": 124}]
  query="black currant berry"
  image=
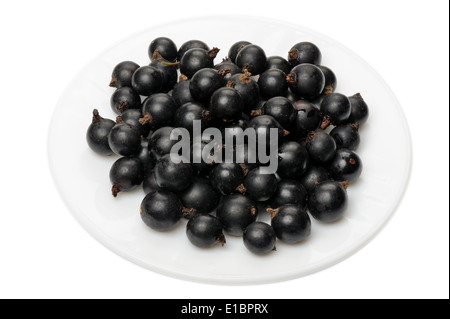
[
  {"x": 278, "y": 62},
  {"x": 227, "y": 65},
  {"x": 191, "y": 44},
  {"x": 281, "y": 109},
  {"x": 169, "y": 73},
  {"x": 132, "y": 116},
  {"x": 314, "y": 175},
  {"x": 305, "y": 52},
  {"x": 226, "y": 104},
  {"x": 321, "y": 146},
  {"x": 330, "y": 80},
  {"x": 236, "y": 212},
  {"x": 327, "y": 202},
  {"x": 198, "y": 198},
  {"x": 259, "y": 238},
  {"x": 125, "y": 98},
  {"x": 126, "y": 174},
  {"x": 188, "y": 113},
  {"x": 161, "y": 210},
  {"x": 205, "y": 82},
  {"x": 248, "y": 88},
  {"x": 293, "y": 160},
  {"x": 258, "y": 186},
  {"x": 97, "y": 134},
  {"x": 235, "y": 48},
  {"x": 181, "y": 93},
  {"x": 308, "y": 118},
  {"x": 165, "y": 47},
  {"x": 196, "y": 59},
  {"x": 263, "y": 124},
  {"x": 124, "y": 139},
  {"x": 346, "y": 136},
  {"x": 289, "y": 191},
  {"x": 122, "y": 73},
  {"x": 360, "y": 110},
  {"x": 205, "y": 231},
  {"x": 158, "y": 110},
  {"x": 291, "y": 223},
  {"x": 226, "y": 177},
  {"x": 147, "y": 80},
  {"x": 345, "y": 166},
  {"x": 306, "y": 81},
  {"x": 272, "y": 83},
  {"x": 149, "y": 183},
  {"x": 160, "y": 142},
  {"x": 251, "y": 58},
  {"x": 173, "y": 176},
  {"x": 145, "y": 157},
  {"x": 335, "y": 108}
]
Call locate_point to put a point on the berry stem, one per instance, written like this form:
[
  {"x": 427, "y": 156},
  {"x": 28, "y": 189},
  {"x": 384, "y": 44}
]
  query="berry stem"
[
  {"x": 115, "y": 190},
  {"x": 96, "y": 116},
  {"x": 113, "y": 83}
]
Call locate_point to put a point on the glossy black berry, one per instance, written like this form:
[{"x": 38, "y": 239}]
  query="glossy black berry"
[
  {"x": 132, "y": 116},
  {"x": 305, "y": 52},
  {"x": 122, "y": 73},
  {"x": 258, "y": 186},
  {"x": 196, "y": 59},
  {"x": 259, "y": 238},
  {"x": 282, "y": 110},
  {"x": 160, "y": 142},
  {"x": 278, "y": 62},
  {"x": 204, "y": 83},
  {"x": 330, "y": 80},
  {"x": 198, "y": 198},
  {"x": 314, "y": 175},
  {"x": 230, "y": 67},
  {"x": 335, "y": 109},
  {"x": 205, "y": 231},
  {"x": 181, "y": 93},
  {"x": 248, "y": 88},
  {"x": 289, "y": 191},
  {"x": 191, "y": 44},
  {"x": 360, "y": 110},
  {"x": 226, "y": 177},
  {"x": 161, "y": 210},
  {"x": 293, "y": 160},
  {"x": 126, "y": 174},
  {"x": 165, "y": 47},
  {"x": 173, "y": 176},
  {"x": 97, "y": 134},
  {"x": 345, "y": 166},
  {"x": 188, "y": 113},
  {"x": 235, "y": 48},
  {"x": 272, "y": 83},
  {"x": 236, "y": 212},
  {"x": 327, "y": 202},
  {"x": 252, "y": 58},
  {"x": 124, "y": 139},
  {"x": 306, "y": 81},
  {"x": 291, "y": 223},
  {"x": 147, "y": 80},
  {"x": 346, "y": 136},
  {"x": 149, "y": 183},
  {"x": 125, "y": 98},
  {"x": 226, "y": 104},
  {"x": 321, "y": 146},
  {"x": 169, "y": 73},
  {"x": 263, "y": 124},
  {"x": 158, "y": 110},
  {"x": 308, "y": 118}
]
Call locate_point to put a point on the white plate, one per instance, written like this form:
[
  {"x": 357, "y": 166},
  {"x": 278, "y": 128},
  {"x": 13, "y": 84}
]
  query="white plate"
[{"x": 82, "y": 176}]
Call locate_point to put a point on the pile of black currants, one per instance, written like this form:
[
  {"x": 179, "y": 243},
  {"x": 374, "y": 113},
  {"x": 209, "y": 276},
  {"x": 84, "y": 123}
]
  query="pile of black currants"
[{"x": 316, "y": 138}]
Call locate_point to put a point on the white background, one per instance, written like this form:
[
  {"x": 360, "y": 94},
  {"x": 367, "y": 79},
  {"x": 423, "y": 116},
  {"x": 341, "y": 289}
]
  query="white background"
[{"x": 45, "y": 253}]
